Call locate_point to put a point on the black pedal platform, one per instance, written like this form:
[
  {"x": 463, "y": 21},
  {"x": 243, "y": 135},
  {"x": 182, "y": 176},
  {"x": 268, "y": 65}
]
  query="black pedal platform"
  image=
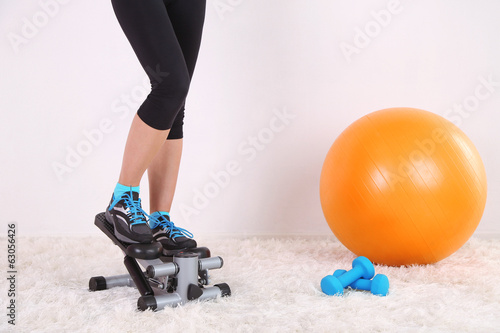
[
  {"x": 202, "y": 252},
  {"x": 136, "y": 250}
]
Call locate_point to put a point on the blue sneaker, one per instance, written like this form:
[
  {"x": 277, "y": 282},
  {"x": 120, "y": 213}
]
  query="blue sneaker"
[
  {"x": 170, "y": 236},
  {"x": 128, "y": 218}
]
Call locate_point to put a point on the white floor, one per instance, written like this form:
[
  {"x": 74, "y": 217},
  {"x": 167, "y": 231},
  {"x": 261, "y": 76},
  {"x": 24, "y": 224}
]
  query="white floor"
[{"x": 275, "y": 285}]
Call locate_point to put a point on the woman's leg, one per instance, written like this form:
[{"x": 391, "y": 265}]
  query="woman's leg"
[
  {"x": 187, "y": 17},
  {"x": 150, "y": 33}
]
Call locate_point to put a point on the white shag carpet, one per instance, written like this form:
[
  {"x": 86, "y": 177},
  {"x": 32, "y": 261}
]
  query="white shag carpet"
[{"x": 275, "y": 285}]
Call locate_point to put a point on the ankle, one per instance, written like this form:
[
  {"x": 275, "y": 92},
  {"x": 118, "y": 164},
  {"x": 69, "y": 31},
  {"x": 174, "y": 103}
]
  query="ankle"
[
  {"x": 122, "y": 189},
  {"x": 160, "y": 213}
]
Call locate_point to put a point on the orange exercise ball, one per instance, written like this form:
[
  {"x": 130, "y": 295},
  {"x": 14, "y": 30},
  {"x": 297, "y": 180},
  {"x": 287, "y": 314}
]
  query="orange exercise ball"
[{"x": 403, "y": 186}]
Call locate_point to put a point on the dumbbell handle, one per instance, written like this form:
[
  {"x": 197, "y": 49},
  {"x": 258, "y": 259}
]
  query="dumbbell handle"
[
  {"x": 350, "y": 276},
  {"x": 360, "y": 284}
]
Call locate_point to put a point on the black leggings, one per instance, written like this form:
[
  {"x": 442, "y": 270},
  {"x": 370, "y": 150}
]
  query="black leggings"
[{"x": 166, "y": 37}]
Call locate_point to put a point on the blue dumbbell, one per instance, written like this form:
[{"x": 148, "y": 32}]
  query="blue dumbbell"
[
  {"x": 361, "y": 268},
  {"x": 378, "y": 286}
]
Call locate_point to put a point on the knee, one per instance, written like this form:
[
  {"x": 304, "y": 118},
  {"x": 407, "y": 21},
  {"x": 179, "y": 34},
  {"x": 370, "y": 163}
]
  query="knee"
[
  {"x": 167, "y": 96},
  {"x": 171, "y": 89}
]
